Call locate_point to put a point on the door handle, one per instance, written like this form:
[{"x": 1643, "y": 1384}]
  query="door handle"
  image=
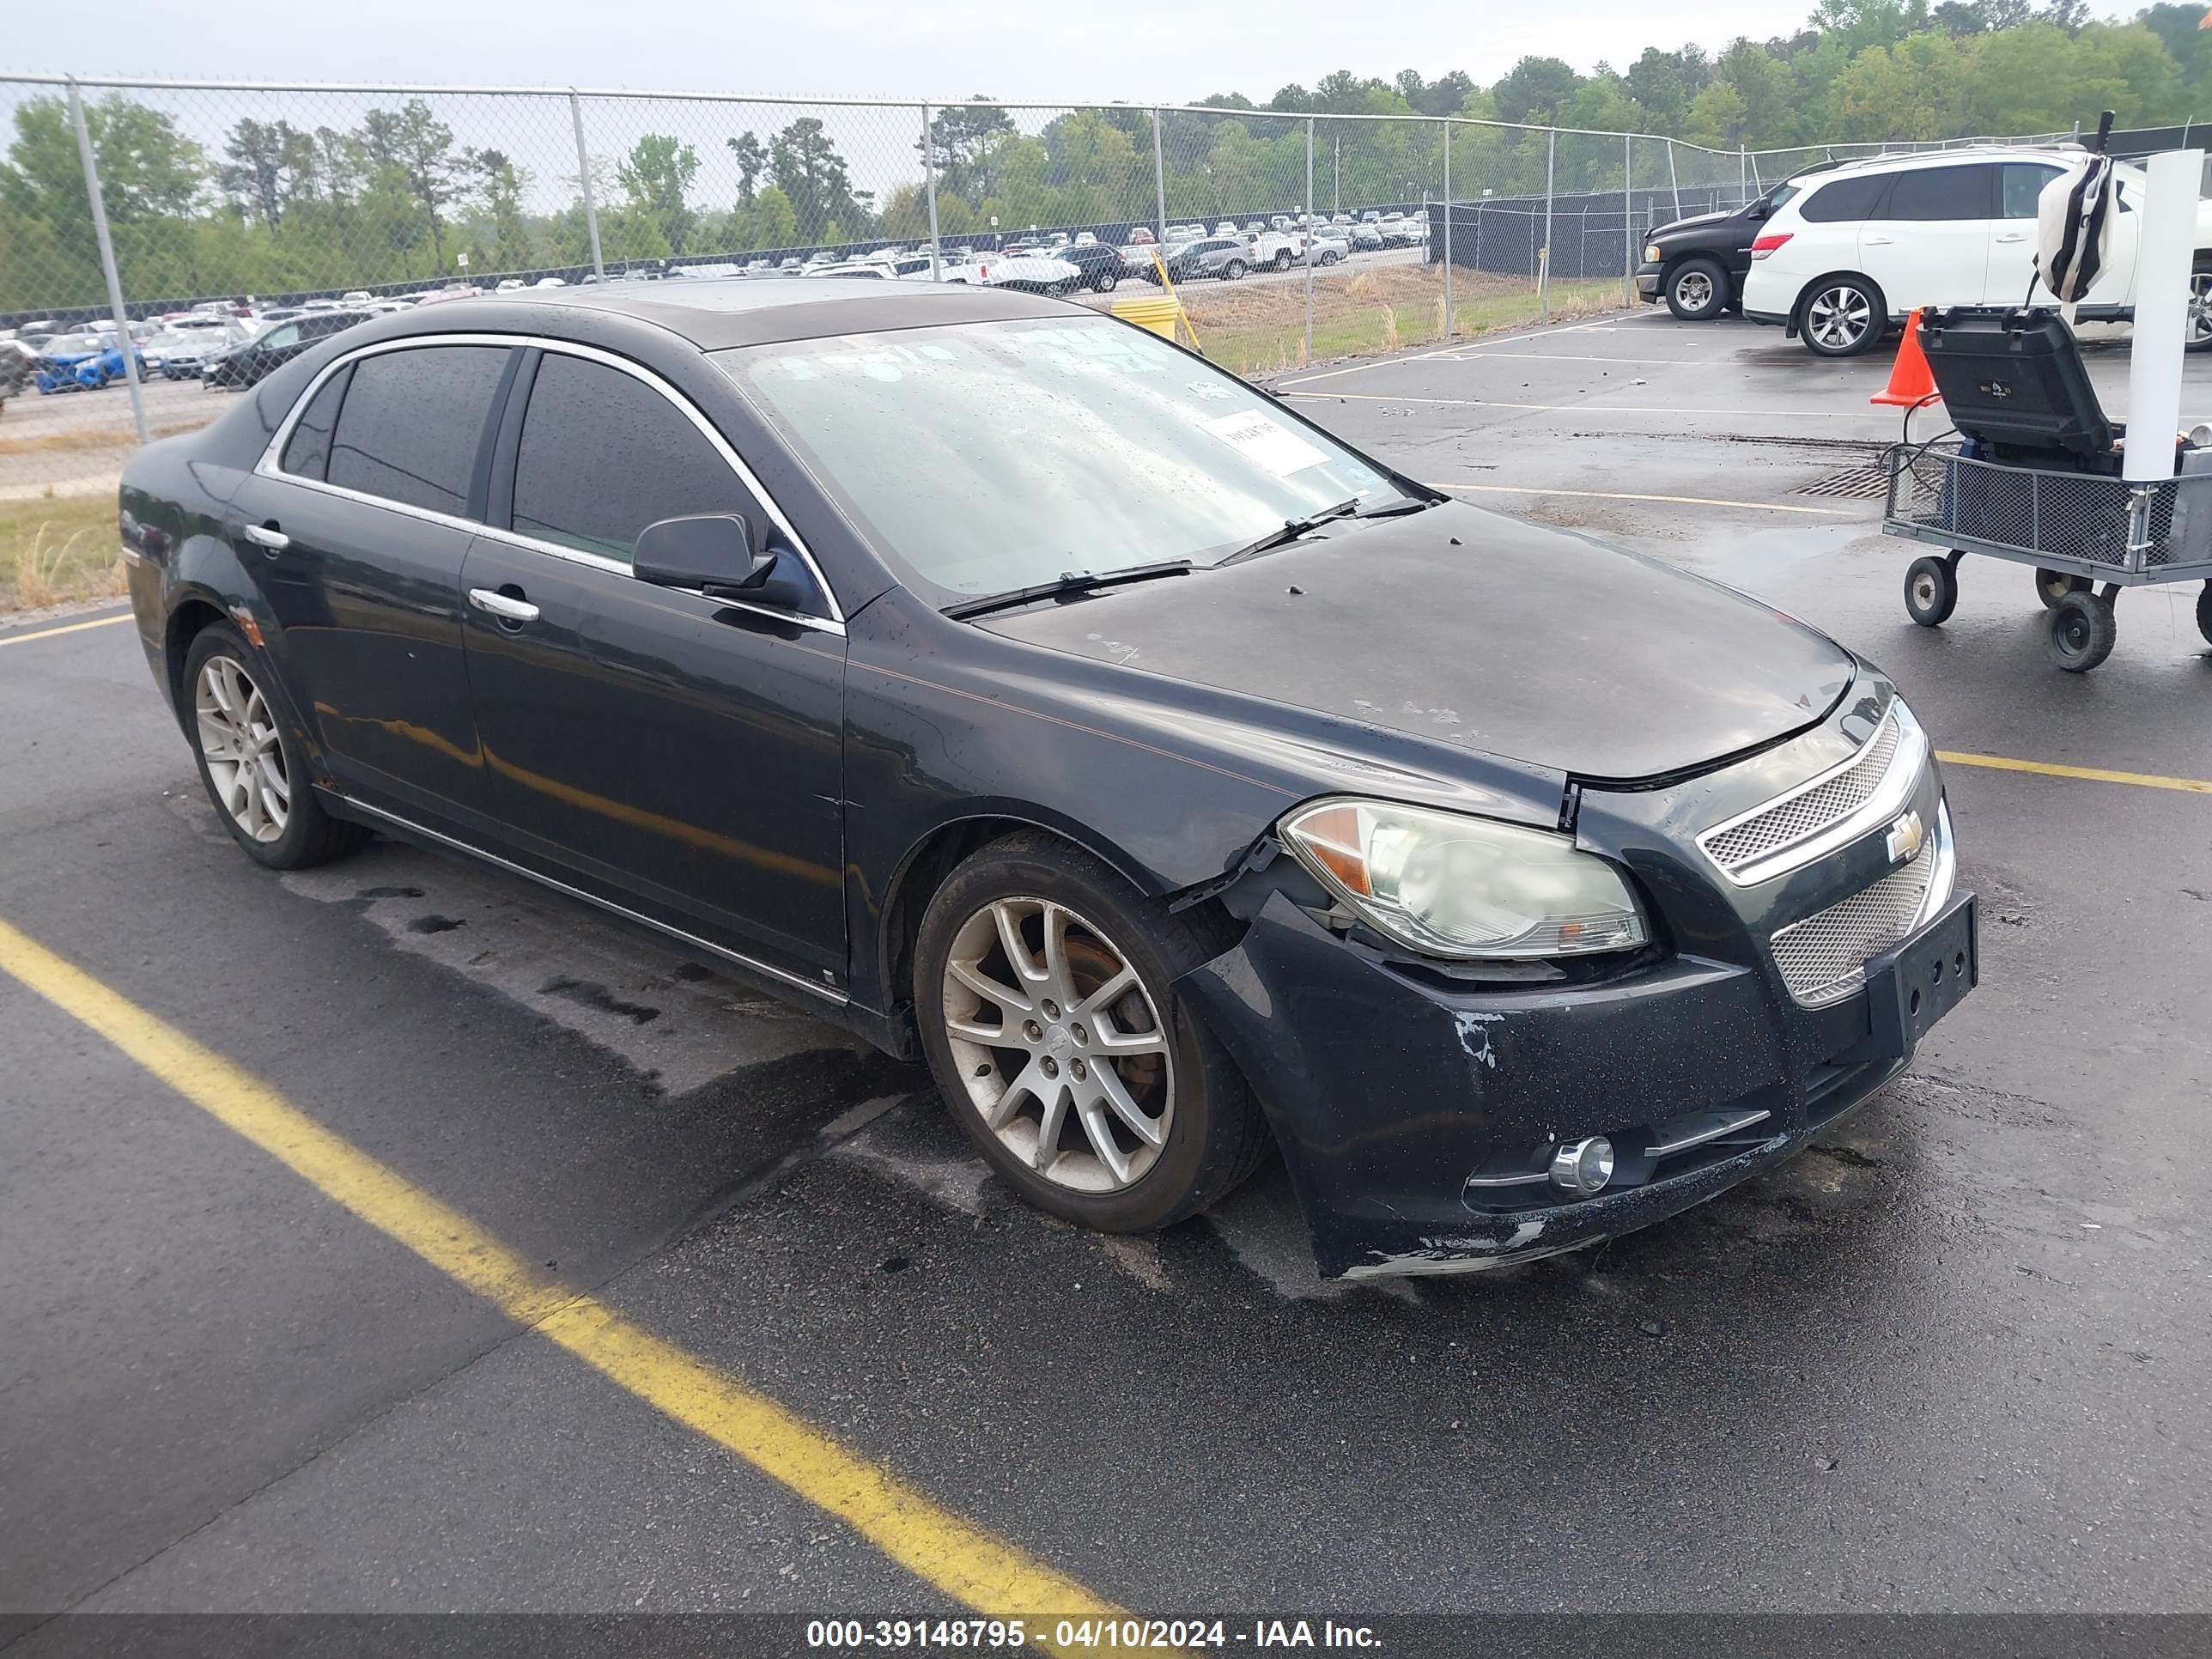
[
  {"x": 1878, "y": 241},
  {"x": 499, "y": 606},
  {"x": 267, "y": 536},
  {"x": 2012, "y": 239}
]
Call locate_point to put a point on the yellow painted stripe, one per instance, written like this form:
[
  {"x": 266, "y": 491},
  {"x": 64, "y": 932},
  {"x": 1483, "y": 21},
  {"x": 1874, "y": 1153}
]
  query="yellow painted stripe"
[
  {"x": 67, "y": 627},
  {"x": 1617, "y": 495},
  {"x": 941, "y": 1548},
  {"x": 2090, "y": 774}
]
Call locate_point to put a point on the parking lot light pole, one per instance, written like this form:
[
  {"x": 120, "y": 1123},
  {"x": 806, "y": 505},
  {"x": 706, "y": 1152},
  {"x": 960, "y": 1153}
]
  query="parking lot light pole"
[
  {"x": 584, "y": 183},
  {"x": 929, "y": 189},
  {"x": 123, "y": 340},
  {"x": 1159, "y": 181},
  {"x": 1308, "y": 240},
  {"x": 1447, "y": 219}
]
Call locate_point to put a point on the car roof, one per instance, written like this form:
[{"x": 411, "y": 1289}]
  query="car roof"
[
  {"x": 1904, "y": 160},
  {"x": 717, "y": 313}
]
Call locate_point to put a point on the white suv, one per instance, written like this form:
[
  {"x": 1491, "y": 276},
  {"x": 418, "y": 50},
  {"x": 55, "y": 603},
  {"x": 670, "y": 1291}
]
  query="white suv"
[{"x": 1844, "y": 253}]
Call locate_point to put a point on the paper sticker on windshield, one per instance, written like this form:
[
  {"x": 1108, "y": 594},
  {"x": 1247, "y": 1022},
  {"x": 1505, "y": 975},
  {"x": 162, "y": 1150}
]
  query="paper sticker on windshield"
[{"x": 1264, "y": 443}]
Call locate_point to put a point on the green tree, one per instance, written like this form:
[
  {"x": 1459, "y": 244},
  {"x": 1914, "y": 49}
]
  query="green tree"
[
  {"x": 413, "y": 143},
  {"x": 657, "y": 175},
  {"x": 959, "y": 144},
  {"x": 752, "y": 162},
  {"x": 813, "y": 176},
  {"x": 267, "y": 166}
]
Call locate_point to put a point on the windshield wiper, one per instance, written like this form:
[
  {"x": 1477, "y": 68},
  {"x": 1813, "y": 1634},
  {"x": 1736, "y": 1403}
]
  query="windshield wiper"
[
  {"x": 1074, "y": 581},
  {"x": 1392, "y": 509},
  {"x": 1291, "y": 531}
]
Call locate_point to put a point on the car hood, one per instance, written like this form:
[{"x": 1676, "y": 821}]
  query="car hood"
[
  {"x": 1465, "y": 627},
  {"x": 1689, "y": 223}
]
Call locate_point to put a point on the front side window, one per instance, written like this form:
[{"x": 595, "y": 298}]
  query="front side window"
[
  {"x": 277, "y": 338},
  {"x": 1934, "y": 193},
  {"x": 412, "y": 423},
  {"x": 981, "y": 457},
  {"x": 604, "y": 455}
]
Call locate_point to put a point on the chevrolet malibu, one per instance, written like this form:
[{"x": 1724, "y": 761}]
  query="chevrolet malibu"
[{"x": 1518, "y": 890}]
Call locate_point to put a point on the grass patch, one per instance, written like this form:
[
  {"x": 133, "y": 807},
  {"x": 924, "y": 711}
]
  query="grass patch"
[
  {"x": 1261, "y": 330},
  {"x": 54, "y": 550}
]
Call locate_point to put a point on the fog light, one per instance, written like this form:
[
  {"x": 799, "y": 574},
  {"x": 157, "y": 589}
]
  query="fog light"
[{"x": 1582, "y": 1167}]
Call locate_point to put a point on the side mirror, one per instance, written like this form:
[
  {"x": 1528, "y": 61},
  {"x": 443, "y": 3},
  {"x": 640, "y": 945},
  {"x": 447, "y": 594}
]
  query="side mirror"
[
  {"x": 712, "y": 552},
  {"x": 1756, "y": 211}
]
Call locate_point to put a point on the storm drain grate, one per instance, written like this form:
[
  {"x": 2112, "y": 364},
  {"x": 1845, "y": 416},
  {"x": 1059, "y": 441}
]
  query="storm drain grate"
[{"x": 1858, "y": 484}]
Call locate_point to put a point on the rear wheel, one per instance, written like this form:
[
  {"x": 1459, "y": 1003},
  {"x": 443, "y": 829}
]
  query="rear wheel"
[
  {"x": 1044, "y": 992},
  {"x": 1697, "y": 289},
  {"x": 2204, "y": 611},
  {"x": 1231, "y": 272},
  {"x": 2198, "y": 335},
  {"x": 2051, "y": 587},
  {"x": 252, "y": 764},
  {"x": 1842, "y": 317},
  {"x": 1282, "y": 259},
  {"x": 1105, "y": 281}
]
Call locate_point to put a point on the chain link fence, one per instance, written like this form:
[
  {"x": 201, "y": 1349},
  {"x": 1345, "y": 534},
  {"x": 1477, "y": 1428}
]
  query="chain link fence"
[{"x": 184, "y": 216}]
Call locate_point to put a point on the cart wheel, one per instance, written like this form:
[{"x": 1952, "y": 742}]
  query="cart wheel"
[
  {"x": 2205, "y": 610},
  {"x": 2082, "y": 631},
  {"x": 1931, "y": 592},
  {"x": 2053, "y": 586}
]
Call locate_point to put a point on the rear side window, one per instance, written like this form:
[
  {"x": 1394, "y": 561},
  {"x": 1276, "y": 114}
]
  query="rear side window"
[
  {"x": 604, "y": 455},
  {"x": 412, "y": 421},
  {"x": 2023, "y": 185},
  {"x": 1927, "y": 193},
  {"x": 307, "y": 451},
  {"x": 1840, "y": 199}
]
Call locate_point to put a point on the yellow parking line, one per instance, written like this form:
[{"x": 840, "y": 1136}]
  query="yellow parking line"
[
  {"x": 67, "y": 627},
  {"x": 2091, "y": 774},
  {"x": 941, "y": 1548},
  {"x": 1617, "y": 495}
]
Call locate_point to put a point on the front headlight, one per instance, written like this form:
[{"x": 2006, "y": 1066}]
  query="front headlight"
[
  {"x": 1651, "y": 251},
  {"x": 1448, "y": 885}
]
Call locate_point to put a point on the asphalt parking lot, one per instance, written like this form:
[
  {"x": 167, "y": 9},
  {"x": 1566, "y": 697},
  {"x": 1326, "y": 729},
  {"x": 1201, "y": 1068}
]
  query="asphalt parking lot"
[{"x": 1952, "y": 1359}]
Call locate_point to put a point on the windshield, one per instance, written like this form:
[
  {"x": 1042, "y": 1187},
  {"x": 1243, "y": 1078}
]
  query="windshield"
[
  {"x": 953, "y": 445},
  {"x": 1780, "y": 194}
]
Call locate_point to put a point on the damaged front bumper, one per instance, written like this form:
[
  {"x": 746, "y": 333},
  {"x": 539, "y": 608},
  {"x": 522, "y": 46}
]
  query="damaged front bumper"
[{"x": 1418, "y": 1113}]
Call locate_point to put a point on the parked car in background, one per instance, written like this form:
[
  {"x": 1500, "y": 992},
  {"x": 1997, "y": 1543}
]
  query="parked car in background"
[
  {"x": 1329, "y": 244},
  {"x": 17, "y": 359},
  {"x": 1101, "y": 266},
  {"x": 1697, "y": 264},
  {"x": 1225, "y": 257},
  {"x": 80, "y": 362},
  {"x": 1029, "y": 273},
  {"x": 182, "y": 352},
  {"x": 1366, "y": 238},
  {"x": 245, "y": 363},
  {"x": 1142, "y": 234},
  {"x": 1843, "y": 258}
]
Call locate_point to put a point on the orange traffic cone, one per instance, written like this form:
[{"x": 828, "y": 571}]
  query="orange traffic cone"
[{"x": 1910, "y": 382}]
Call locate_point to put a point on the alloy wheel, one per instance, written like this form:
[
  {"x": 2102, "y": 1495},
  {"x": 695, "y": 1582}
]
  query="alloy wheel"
[
  {"x": 1838, "y": 317},
  {"x": 2200, "y": 307},
  {"x": 238, "y": 739},
  {"x": 1059, "y": 1044},
  {"x": 1694, "y": 290}
]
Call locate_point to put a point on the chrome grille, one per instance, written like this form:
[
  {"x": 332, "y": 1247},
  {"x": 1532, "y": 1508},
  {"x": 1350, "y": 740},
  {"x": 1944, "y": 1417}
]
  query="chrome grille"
[
  {"x": 1823, "y": 958},
  {"x": 1795, "y": 817}
]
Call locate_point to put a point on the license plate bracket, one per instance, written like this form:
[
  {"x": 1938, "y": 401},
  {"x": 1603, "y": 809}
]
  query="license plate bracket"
[{"x": 1922, "y": 980}]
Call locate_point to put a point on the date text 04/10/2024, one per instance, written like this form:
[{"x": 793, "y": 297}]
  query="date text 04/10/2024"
[{"x": 1109, "y": 1635}]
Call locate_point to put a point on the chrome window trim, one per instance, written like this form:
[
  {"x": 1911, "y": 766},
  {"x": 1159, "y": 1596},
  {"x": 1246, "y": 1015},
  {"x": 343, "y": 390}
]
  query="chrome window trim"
[
  {"x": 616, "y": 568},
  {"x": 268, "y": 466},
  {"x": 781, "y": 975},
  {"x": 1888, "y": 799}
]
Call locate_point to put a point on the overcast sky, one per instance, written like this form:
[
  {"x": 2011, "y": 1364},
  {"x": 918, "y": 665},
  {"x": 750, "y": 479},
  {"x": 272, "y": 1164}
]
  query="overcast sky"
[{"x": 1132, "y": 50}]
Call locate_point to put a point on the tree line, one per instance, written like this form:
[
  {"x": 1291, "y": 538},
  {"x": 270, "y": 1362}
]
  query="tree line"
[{"x": 277, "y": 208}]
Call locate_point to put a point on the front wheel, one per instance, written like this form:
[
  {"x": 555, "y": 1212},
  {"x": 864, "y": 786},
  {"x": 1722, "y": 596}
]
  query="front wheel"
[
  {"x": 1842, "y": 317},
  {"x": 1044, "y": 992},
  {"x": 2198, "y": 335},
  {"x": 1931, "y": 592},
  {"x": 2204, "y": 612},
  {"x": 1282, "y": 259},
  {"x": 252, "y": 766},
  {"x": 2082, "y": 632},
  {"x": 1104, "y": 282},
  {"x": 1697, "y": 290},
  {"x": 1231, "y": 272}
]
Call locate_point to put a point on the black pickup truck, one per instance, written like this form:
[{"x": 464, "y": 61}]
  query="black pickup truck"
[{"x": 1697, "y": 264}]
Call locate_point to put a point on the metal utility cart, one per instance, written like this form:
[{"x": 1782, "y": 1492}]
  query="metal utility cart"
[{"x": 2078, "y": 529}]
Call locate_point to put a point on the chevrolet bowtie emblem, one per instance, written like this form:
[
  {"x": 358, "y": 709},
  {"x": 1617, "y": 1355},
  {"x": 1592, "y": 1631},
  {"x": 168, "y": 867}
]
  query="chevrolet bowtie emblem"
[{"x": 1904, "y": 838}]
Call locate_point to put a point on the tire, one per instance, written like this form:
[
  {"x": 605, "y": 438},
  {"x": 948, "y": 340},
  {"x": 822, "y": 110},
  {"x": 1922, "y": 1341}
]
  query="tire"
[
  {"x": 1209, "y": 1134},
  {"x": 1842, "y": 317},
  {"x": 1697, "y": 289},
  {"x": 2204, "y": 611},
  {"x": 2198, "y": 335},
  {"x": 1931, "y": 592},
  {"x": 2053, "y": 585},
  {"x": 1233, "y": 270},
  {"x": 1282, "y": 259},
  {"x": 306, "y": 835},
  {"x": 2082, "y": 631},
  {"x": 1105, "y": 281}
]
